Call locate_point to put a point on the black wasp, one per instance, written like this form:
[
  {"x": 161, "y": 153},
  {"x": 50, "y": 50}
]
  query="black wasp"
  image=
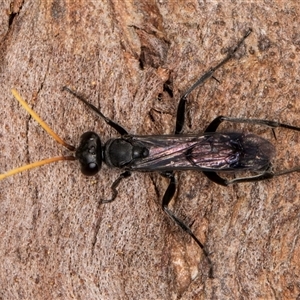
[{"x": 209, "y": 152}]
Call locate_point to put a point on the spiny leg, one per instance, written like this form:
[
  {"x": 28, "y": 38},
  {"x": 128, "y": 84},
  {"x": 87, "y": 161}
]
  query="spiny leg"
[
  {"x": 267, "y": 174},
  {"x": 180, "y": 118}
]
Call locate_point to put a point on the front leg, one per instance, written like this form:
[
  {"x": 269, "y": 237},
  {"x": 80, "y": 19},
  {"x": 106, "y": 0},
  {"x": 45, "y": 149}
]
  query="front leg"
[
  {"x": 120, "y": 129},
  {"x": 114, "y": 186}
]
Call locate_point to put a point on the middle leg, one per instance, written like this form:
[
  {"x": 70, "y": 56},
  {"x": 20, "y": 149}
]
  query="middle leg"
[{"x": 168, "y": 196}]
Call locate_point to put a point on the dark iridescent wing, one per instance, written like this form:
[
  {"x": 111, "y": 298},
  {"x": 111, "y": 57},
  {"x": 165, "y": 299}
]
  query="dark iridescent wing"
[{"x": 207, "y": 152}]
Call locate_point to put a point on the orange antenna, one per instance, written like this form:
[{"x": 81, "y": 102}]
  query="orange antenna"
[
  {"x": 46, "y": 127},
  {"x": 40, "y": 121}
]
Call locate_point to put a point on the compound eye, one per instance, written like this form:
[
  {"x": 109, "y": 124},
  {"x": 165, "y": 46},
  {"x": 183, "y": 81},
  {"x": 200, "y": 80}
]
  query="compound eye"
[{"x": 90, "y": 169}]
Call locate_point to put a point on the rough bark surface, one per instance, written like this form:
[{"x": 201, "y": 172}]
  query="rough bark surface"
[{"x": 133, "y": 59}]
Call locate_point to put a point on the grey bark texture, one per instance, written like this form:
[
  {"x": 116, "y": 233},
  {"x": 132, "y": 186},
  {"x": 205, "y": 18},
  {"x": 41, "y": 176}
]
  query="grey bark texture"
[{"x": 125, "y": 57}]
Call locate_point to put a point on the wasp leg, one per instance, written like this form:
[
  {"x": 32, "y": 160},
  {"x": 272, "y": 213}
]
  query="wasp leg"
[
  {"x": 219, "y": 180},
  {"x": 114, "y": 186},
  {"x": 266, "y": 175},
  {"x": 121, "y": 130},
  {"x": 212, "y": 127},
  {"x": 180, "y": 118},
  {"x": 168, "y": 196}
]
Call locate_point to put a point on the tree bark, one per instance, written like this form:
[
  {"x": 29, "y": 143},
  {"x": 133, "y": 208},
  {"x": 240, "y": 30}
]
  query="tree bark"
[{"x": 133, "y": 60}]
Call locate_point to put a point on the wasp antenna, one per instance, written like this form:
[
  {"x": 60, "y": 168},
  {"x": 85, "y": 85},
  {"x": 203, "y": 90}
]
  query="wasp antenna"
[
  {"x": 35, "y": 165},
  {"x": 40, "y": 121},
  {"x": 50, "y": 132}
]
